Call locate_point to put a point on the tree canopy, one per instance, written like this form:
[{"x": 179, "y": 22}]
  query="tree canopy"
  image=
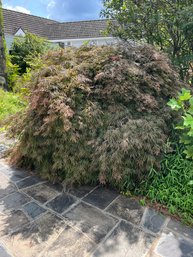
[{"x": 165, "y": 23}]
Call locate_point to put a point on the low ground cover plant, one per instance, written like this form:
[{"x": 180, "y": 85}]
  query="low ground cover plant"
[
  {"x": 10, "y": 104},
  {"x": 98, "y": 114},
  {"x": 172, "y": 186}
]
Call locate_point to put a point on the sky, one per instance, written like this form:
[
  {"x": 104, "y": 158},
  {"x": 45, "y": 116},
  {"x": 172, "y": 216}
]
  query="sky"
[{"x": 60, "y": 10}]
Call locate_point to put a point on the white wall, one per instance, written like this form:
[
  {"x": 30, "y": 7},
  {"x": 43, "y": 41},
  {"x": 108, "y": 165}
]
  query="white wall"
[
  {"x": 92, "y": 41},
  {"x": 9, "y": 41},
  {"x": 73, "y": 42}
]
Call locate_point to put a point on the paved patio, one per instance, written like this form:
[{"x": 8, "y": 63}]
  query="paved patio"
[{"x": 38, "y": 219}]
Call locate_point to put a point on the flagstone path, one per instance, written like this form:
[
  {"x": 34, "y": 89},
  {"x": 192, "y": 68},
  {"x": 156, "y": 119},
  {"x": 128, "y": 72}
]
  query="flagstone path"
[{"x": 39, "y": 219}]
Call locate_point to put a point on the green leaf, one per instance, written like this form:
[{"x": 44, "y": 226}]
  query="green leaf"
[
  {"x": 189, "y": 151},
  {"x": 179, "y": 127},
  {"x": 191, "y": 101},
  {"x": 185, "y": 139},
  {"x": 188, "y": 120},
  {"x": 190, "y": 133},
  {"x": 184, "y": 95},
  {"x": 174, "y": 104},
  {"x": 190, "y": 109},
  {"x": 190, "y": 183}
]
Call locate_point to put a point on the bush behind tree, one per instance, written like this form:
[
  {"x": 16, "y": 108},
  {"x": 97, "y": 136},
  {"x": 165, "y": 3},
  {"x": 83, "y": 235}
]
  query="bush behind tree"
[
  {"x": 25, "y": 49},
  {"x": 98, "y": 114}
]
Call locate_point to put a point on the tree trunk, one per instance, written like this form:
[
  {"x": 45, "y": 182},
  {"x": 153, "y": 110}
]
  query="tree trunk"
[{"x": 3, "y": 75}]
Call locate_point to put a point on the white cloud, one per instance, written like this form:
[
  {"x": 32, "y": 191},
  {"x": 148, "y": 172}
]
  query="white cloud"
[
  {"x": 17, "y": 8},
  {"x": 51, "y": 4}
]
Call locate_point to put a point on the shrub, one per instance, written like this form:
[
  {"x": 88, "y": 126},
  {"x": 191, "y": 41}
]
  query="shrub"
[
  {"x": 25, "y": 49},
  {"x": 172, "y": 186},
  {"x": 12, "y": 72},
  {"x": 22, "y": 82},
  {"x": 184, "y": 105},
  {"x": 98, "y": 113}
]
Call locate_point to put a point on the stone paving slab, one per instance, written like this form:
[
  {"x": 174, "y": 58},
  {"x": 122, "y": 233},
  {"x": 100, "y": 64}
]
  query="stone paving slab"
[
  {"x": 80, "y": 191},
  {"x": 6, "y": 187},
  {"x": 125, "y": 241},
  {"x": 39, "y": 219},
  {"x": 27, "y": 182},
  {"x": 127, "y": 208},
  {"x": 55, "y": 186},
  {"x": 61, "y": 203},
  {"x": 5, "y": 140},
  {"x": 70, "y": 243},
  {"x": 153, "y": 221},
  {"x": 10, "y": 221},
  {"x": 13, "y": 201},
  {"x": 173, "y": 246},
  {"x": 12, "y": 173},
  {"x": 90, "y": 221},
  {"x": 3, "y": 150},
  {"x": 41, "y": 193},
  {"x": 101, "y": 197},
  {"x": 176, "y": 226},
  {"x": 33, "y": 210},
  {"x": 3, "y": 252},
  {"x": 31, "y": 240}
]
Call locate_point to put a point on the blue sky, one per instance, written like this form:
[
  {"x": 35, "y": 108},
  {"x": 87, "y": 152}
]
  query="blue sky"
[{"x": 61, "y": 10}]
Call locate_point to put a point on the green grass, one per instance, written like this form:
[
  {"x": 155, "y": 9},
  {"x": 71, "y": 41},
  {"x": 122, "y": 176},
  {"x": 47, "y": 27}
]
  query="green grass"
[
  {"x": 10, "y": 103},
  {"x": 173, "y": 186}
]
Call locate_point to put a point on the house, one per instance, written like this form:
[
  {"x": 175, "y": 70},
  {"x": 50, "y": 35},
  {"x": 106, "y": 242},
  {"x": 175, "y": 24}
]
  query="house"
[{"x": 62, "y": 33}]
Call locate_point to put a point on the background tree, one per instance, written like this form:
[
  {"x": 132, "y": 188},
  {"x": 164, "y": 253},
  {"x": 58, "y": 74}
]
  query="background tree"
[
  {"x": 25, "y": 50},
  {"x": 164, "y": 23},
  {"x": 2, "y": 52}
]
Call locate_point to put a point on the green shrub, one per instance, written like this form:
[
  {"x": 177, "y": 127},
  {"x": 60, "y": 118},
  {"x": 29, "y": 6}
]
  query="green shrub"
[
  {"x": 10, "y": 104},
  {"x": 22, "y": 82},
  {"x": 172, "y": 186},
  {"x": 98, "y": 113},
  {"x": 184, "y": 105},
  {"x": 25, "y": 49},
  {"x": 12, "y": 72}
]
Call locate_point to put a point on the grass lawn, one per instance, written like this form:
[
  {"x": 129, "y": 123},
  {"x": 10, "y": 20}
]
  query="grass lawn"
[{"x": 10, "y": 103}]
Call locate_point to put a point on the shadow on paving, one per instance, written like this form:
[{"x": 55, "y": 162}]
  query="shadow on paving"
[
  {"x": 21, "y": 230},
  {"x": 39, "y": 219}
]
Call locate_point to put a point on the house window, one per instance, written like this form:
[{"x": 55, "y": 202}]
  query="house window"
[
  {"x": 64, "y": 44},
  {"x": 61, "y": 44},
  {"x": 68, "y": 43},
  {"x": 93, "y": 42}
]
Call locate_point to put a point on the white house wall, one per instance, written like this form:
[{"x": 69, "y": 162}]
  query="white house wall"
[
  {"x": 9, "y": 41},
  {"x": 73, "y": 42},
  {"x": 79, "y": 42}
]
